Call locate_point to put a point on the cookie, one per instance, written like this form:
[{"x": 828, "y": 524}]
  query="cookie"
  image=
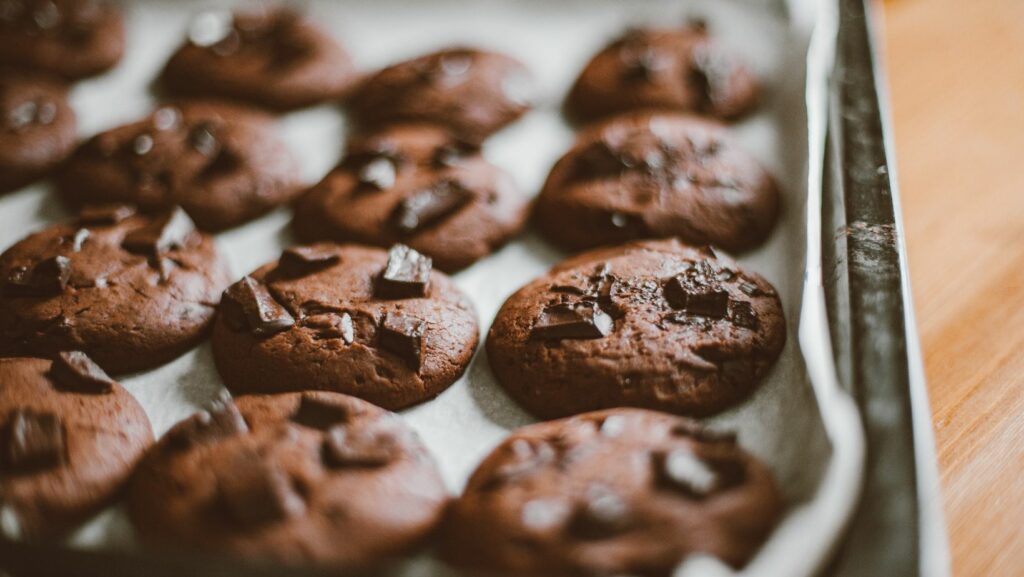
[
  {"x": 131, "y": 291},
  {"x": 319, "y": 478},
  {"x": 72, "y": 39},
  {"x": 472, "y": 93},
  {"x": 416, "y": 185},
  {"x": 654, "y": 176},
  {"x": 271, "y": 57},
  {"x": 655, "y": 324},
  {"x": 37, "y": 129},
  {"x": 618, "y": 492},
  {"x": 69, "y": 439},
  {"x": 379, "y": 325},
  {"x": 681, "y": 69},
  {"x": 224, "y": 165}
]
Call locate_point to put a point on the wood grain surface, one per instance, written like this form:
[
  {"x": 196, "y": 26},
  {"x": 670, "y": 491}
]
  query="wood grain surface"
[{"x": 956, "y": 70}]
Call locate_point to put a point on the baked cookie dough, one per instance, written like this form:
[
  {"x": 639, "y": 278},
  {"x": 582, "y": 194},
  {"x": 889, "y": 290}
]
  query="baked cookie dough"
[{"x": 37, "y": 129}]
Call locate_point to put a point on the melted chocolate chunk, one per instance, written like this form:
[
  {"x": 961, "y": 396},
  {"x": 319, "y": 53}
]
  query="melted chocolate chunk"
[
  {"x": 583, "y": 320},
  {"x": 220, "y": 422},
  {"x": 407, "y": 274},
  {"x": 105, "y": 214},
  {"x": 430, "y": 205},
  {"x": 300, "y": 261},
  {"x": 330, "y": 325},
  {"x": 742, "y": 314},
  {"x": 317, "y": 413},
  {"x": 75, "y": 371},
  {"x": 248, "y": 305},
  {"x": 603, "y": 514},
  {"x": 255, "y": 492},
  {"x": 46, "y": 278},
  {"x": 34, "y": 442},
  {"x": 167, "y": 232},
  {"x": 379, "y": 173},
  {"x": 403, "y": 337},
  {"x": 350, "y": 448},
  {"x": 697, "y": 291}
]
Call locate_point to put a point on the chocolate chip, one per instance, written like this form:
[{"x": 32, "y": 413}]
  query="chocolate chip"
[
  {"x": 248, "y": 305},
  {"x": 403, "y": 337},
  {"x": 166, "y": 118},
  {"x": 300, "y": 261},
  {"x": 81, "y": 235},
  {"x": 75, "y": 371},
  {"x": 105, "y": 214},
  {"x": 644, "y": 64},
  {"x": 46, "y": 278},
  {"x": 380, "y": 174},
  {"x": 256, "y": 492},
  {"x": 696, "y": 477},
  {"x": 331, "y": 325},
  {"x": 451, "y": 154},
  {"x": 142, "y": 144},
  {"x": 316, "y": 413},
  {"x": 219, "y": 422},
  {"x": 164, "y": 233},
  {"x": 202, "y": 139},
  {"x": 603, "y": 514},
  {"x": 697, "y": 292},
  {"x": 749, "y": 288},
  {"x": 430, "y": 205},
  {"x": 583, "y": 320},
  {"x": 358, "y": 448},
  {"x": 22, "y": 115},
  {"x": 742, "y": 314},
  {"x": 406, "y": 275},
  {"x": 35, "y": 441},
  {"x": 527, "y": 455}
]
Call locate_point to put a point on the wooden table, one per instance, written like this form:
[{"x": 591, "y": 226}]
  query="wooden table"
[{"x": 956, "y": 70}]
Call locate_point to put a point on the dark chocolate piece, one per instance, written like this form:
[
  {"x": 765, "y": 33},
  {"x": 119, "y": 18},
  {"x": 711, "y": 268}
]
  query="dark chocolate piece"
[
  {"x": 46, "y": 278},
  {"x": 248, "y": 305},
  {"x": 316, "y": 413},
  {"x": 603, "y": 514},
  {"x": 219, "y": 422},
  {"x": 697, "y": 477},
  {"x": 330, "y": 325},
  {"x": 344, "y": 448},
  {"x": 34, "y": 442},
  {"x": 167, "y": 232},
  {"x": 451, "y": 155},
  {"x": 203, "y": 140},
  {"x": 81, "y": 235},
  {"x": 104, "y": 214},
  {"x": 742, "y": 314},
  {"x": 407, "y": 274},
  {"x": 75, "y": 371},
  {"x": 583, "y": 320},
  {"x": 644, "y": 64},
  {"x": 300, "y": 261},
  {"x": 403, "y": 337},
  {"x": 698, "y": 292},
  {"x": 256, "y": 492},
  {"x": 430, "y": 205},
  {"x": 749, "y": 288},
  {"x": 380, "y": 173}
]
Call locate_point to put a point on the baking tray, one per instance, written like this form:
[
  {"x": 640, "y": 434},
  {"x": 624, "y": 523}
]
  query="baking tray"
[{"x": 861, "y": 277}]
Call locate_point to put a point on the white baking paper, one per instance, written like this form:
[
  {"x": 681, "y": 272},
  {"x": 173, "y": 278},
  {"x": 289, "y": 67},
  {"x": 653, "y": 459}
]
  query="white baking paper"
[{"x": 800, "y": 422}]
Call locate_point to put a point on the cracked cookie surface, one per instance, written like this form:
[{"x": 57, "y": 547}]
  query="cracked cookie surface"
[
  {"x": 131, "y": 291},
  {"x": 379, "y": 325},
  {"x": 654, "y": 324}
]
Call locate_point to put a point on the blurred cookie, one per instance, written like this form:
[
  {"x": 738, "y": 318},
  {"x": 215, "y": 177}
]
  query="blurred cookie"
[
  {"x": 68, "y": 38},
  {"x": 131, "y": 291},
  {"x": 416, "y": 185},
  {"x": 619, "y": 492},
  {"x": 223, "y": 165},
  {"x": 654, "y": 324},
  {"x": 272, "y": 57},
  {"x": 472, "y": 93},
  {"x": 69, "y": 439},
  {"x": 379, "y": 325},
  {"x": 680, "y": 69},
  {"x": 655, "y": 175},
  {"x": 37, "y": 129},
  {"x": 312, "y": 478}
]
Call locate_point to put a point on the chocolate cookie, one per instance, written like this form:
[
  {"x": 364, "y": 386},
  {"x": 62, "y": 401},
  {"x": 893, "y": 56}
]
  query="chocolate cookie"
[
  {"x": 69, "y": 438},
  {"x": 680, "y": 69},
  {"x": 654, "y": 324},
  {"x": 37, "y": 129},
  {"x": 68, "y": 38},
  {"x": 131, "y": 291},
  {"x": 223, "y": 165},
  {"x": 414, "y": 184},
  {"x": 318, "y": 478},
  {"x": 272, "y": 57},
  {"x": 374, "y": 324},
  {"x": 619, "y": 492},
  {"x": 657, "y": 175},
  {"x": 473, "y": 93}
]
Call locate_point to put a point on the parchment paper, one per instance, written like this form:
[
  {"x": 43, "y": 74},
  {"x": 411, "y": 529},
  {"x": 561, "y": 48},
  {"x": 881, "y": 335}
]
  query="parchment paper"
[{"x": 799, "y": 421}]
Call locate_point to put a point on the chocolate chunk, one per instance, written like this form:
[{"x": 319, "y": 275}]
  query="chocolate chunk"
[
  {"x": 256, "y": 492},
  {"x": 742, "y": 314},
  {"x": 380, "y": 173},
  {"x": 528, "y": 456},
  {"x": 749, "y": 288},
  {"x": 694, "y": 430},
  {"x": 430, "y": 205},
  {"x": 75, "y": 371},
  {"x": 698, "y": 292},
  {"x": 300, "y": 261},
  {"x": 219, "y": 422},
  {"x": 34, "y": 442},
  {"x": 407, "y": 274},
  {"x": 331, "y": 325},
  {"x": 167, "y": 232},
  {"x": 46, "y": 278},
  {"x": 106, "y": 214},
  {"x": 683, "y": 471},
  {"x": 709, "y": 75},
  {"x": 248, "y": 305},
  {"x": 317, "y": 413},
  {"x": 202, "y": 139},
  {"x": 81, "y": 235},
  {"x": 603, "y": 514},
  {"x": 403, "y": 337},
  {"x": 583, "y": 320},
  {"x": 351, "y": 448},
  {"x": 451, "y": 154},
  {"x": 644, "y": 64}
]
